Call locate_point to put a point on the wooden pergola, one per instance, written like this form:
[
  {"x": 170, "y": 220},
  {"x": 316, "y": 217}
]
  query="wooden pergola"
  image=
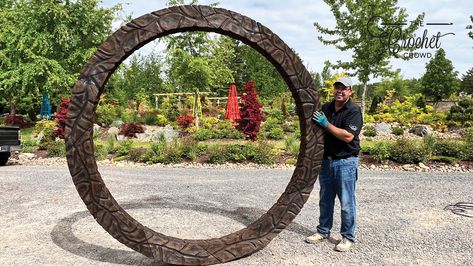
[{"x": 196, "y": 95}]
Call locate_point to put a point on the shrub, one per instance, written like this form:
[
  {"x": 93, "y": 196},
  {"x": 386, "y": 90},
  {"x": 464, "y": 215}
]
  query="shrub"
[
  {"x": 250, "y": 111},
  {"x": 225, "y": 129},
  {"x": 110, "y": 146},
  {"x": 463, "y": 112},
  {"x": 272, "y": 130},
  {"x": 124, "y": 147},
  {"x": 369, "y": 131},
  {"x": 443, "y": 159},
  {"x": 56, "y": 149},
  {"x": 191, "y": 148},
  {"x": 429, "y": 143},
  {"x": 407, "y": 151},
  {"x": 60, "y": 118},
  {"x": 100, "y": 151},
  {"x": 185, "y": 121},
  {"x": 45, "y": 129},
  {"x": 16, "y": 120},
  {"x": 161, "y": 120},
  {"x": 106, "y": 113},
  {"x": 130, "y": 129},
  {"x": 292, "y": 145},
  {"x": 28, "y": 146},
  {"x": 263, "y": 153},
  {"x": 469, "y": 135},
  {"x": 398, "y": 131},
  {"x": 204, "y": 134},
  {"x": 149, "y": 118},
  {"x": 447, "y": 148},
  {"x": 380, "y": 151}
]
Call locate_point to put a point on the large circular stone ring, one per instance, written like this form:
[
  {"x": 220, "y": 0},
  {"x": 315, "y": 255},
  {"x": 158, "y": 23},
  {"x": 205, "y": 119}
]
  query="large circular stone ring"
[{"x": 80, "y": 148}]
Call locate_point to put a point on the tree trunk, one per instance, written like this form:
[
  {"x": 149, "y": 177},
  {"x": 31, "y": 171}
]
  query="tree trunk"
[
  {"x": 12, "y": 109},
  {"x": 363, "y": 99}
]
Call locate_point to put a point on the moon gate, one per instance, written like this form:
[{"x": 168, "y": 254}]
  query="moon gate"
[{"x": 80, "y": 149}]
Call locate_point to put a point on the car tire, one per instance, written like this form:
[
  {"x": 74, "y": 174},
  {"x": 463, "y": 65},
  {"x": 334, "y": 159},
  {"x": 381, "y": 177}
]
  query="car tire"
[{"x": 4, "y": 158}]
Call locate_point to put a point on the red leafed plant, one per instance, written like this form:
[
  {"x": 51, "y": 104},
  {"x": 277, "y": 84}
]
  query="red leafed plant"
[
  {"x": 60, "y": 118},
  {"x": 250, "y": 111},
  {"x": 16, "y": 120},
  {"x": 130, "y": 129},
  {"x": 185, "y": 120}
]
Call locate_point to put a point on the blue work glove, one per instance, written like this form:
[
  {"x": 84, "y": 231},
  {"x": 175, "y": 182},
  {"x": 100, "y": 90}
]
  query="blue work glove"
[{"x": 320, "y": 118}]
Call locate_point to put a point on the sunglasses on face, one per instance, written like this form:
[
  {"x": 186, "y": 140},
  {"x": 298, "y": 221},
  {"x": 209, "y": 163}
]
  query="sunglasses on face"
[{"x": 341, "y": 88}]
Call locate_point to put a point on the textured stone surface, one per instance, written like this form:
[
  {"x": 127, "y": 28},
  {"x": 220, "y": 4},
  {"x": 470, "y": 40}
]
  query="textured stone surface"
[{"x": 79, "y": 144}]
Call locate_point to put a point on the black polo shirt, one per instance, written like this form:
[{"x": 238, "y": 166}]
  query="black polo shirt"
[{"x": 349, "y": 118}]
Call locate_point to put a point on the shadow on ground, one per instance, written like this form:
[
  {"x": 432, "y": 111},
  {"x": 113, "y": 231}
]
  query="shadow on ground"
[{"x": 63, "y": 236}]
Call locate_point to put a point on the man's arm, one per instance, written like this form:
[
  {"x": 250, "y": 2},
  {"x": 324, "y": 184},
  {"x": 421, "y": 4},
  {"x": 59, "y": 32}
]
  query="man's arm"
[{"x": 340, "y": 133}]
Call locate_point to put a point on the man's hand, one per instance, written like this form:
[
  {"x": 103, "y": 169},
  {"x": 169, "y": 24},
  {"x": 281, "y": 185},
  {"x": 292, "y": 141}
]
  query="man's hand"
[{"x": 320, "y": 118}]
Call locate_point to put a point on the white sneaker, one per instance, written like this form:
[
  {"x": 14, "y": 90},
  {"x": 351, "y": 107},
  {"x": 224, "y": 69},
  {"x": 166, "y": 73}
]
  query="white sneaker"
[
  {"x": 344, "y": 245},
  {"x": 317, "y": 237}
]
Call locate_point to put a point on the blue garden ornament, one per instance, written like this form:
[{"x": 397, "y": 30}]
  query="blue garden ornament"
[{"x": 45, "y": 107}]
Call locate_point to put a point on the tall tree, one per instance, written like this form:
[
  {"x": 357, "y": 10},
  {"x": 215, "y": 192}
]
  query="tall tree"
[
  {"x": 467, "y": 82},
  {"x": 469, "y": 27},
  {"x": 44, "y": 43},
  {"x": 358, "y": 30},
  {"x": 440, "y": 79},
  {"x": 142, "y": 75}
]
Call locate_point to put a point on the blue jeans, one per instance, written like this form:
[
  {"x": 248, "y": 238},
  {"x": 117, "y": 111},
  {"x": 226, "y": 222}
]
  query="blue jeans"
[{"x": 338, "y": 178}]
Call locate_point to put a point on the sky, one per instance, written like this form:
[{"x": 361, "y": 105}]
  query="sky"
[{"x": 293, "y": 22}]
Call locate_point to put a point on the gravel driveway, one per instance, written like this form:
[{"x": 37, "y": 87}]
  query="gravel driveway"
[{"x": 401, "y": 219}]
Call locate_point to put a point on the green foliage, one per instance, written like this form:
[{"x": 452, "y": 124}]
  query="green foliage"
[
  {"x": 467, "y": 82},
  {"x": 46, "y": 128},
  {"x": 463, "y": 112},
  {"x": 448, "y": 148},
  {"x": 111, "y": 143},
  {"x": 440, "y": 78},
  {"x": 398, "y": 131},
  {"x": 56, "y": 149},
  {"x": 357, "y": 30},
  {"x": 28, "y": 146},
  {"x": 469, "y": 135},
  {"x": 43, "y": 45},
  {"x": 123, "y": 147},
  {"x": 369, "y": 131},
  {"x": 138, "y": 80},
  {"x": 291, "y": 145},
  {"x": 100, "y": 151},
  {"x": 106, "y": 114},
  {"x": 444, "y": 159},
  {"x": 261, "y": 153},
  {"x": 272, "y": 129},
  {"x": 381, "y": 151},
  {"x": 408, "y": 151},
  {"x": 161, "y": 120}
]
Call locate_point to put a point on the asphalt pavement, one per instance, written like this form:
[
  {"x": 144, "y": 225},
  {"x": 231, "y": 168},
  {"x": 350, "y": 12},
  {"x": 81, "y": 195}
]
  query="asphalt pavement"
[{"x": 403, "y": 217}]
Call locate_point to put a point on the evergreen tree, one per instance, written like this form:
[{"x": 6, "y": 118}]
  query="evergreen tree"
[
  {"x": 440, "y": 79},
  {"x": 469, "y": 27},
  {"x": 467, "y": 82}
]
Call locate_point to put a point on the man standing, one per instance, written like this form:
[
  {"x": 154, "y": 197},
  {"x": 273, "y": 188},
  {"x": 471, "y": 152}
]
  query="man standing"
[{"x": 342, "y": 120}]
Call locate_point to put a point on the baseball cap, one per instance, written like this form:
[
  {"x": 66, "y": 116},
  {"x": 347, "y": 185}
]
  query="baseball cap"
[{"x": 345, "y": 81}]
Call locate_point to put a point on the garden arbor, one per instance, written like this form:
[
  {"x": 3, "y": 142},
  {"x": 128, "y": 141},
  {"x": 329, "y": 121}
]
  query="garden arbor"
[{"x": 80, "y": 152}]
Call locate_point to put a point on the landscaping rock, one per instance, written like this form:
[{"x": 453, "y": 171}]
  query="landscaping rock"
[
  {"x": 97, "y": 127},
  {"x": 421, "y": 130},
  {"x": 423, "y": 166},
  {"x": 383, "y": 127},
  {"x": 117, "y": 123},
  {"x": 113, "y": 131}
]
